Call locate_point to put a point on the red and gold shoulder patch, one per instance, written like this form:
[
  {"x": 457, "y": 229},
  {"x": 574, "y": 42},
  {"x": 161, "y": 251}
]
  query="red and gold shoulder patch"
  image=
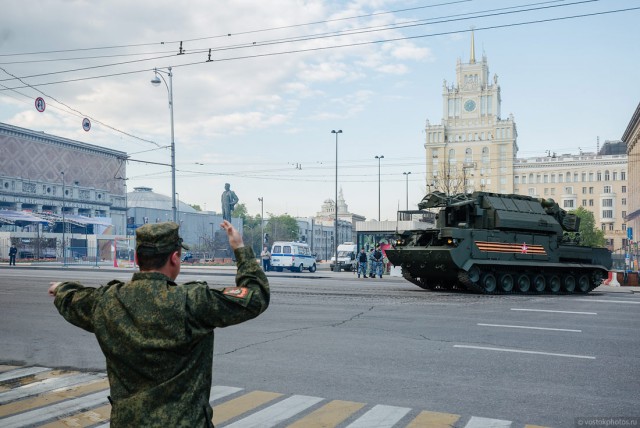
[{"x": 239, "y": 292}]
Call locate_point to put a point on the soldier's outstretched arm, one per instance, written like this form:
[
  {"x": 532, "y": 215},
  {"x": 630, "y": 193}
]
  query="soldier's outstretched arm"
[{"x": 232, "y": 305}]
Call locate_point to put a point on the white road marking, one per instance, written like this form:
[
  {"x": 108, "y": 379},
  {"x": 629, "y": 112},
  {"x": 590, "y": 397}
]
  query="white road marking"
[
  {"x": 47, "y": 385},
  {"x": 555, "y": 312},
  {"x": 275, "y": 414},
  {"x": 521, "y": 351},
  {"x": 609, "y": 301},
  {"x": 530, "y": 328},
  {"x": 64, "y": 408},
  {"x": 220, "y": 391},
  {"x": 18, "y": 373},
  {"x": 476, "y": 422},
  {"x": 380, "y": 417}
]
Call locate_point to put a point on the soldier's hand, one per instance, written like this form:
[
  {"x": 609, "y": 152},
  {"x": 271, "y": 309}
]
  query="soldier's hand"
[
  {"x": 235, "y": 239},
  {"x": 52, "y": 288}
]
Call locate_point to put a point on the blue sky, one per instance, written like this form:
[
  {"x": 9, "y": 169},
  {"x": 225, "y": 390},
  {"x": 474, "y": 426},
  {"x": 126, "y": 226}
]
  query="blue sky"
[{"x": 263, "y": 122}]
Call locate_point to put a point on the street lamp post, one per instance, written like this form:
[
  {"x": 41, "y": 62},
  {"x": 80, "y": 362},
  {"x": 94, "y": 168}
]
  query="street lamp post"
[
  {"x": 261, "y": 199},
  {"x": 379, "y": 159},
  {"x": 406, "y": 174},
  {"x": 64, "y": 226},
  {"x": 155, "y": 82},
  {"x": 213, "y": 243},
  {"x": 336, "y": 268}
]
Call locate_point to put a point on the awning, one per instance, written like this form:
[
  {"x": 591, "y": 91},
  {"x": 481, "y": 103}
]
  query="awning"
[{"x": 11, "y": 217}]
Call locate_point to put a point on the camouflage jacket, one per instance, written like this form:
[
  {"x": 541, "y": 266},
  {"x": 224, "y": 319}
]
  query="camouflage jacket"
[{"x": 157, "y": 338}]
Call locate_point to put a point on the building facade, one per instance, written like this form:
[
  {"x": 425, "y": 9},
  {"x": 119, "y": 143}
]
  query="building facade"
[
  {"x": 473, "y": 147},
  {"x": 631, "y": 137},
  {"x": 594, "y": 181}
]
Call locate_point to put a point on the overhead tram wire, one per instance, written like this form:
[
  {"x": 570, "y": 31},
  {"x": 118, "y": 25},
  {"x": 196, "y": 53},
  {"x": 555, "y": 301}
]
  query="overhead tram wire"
[
  {"x": 82, "y": 114},
  {"x": 315, "y": 49},
  {"x": 239, "y": 33},
  {"x": 289, "y": 39},
  {"x": 341, "y": 33}
]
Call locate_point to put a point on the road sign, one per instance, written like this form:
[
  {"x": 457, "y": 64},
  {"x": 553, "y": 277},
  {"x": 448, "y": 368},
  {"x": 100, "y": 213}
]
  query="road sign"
[
  {"x": 630, "y": 233},
  {"x": 40, "y": 104},
  {"x": 86, "y": 124}
]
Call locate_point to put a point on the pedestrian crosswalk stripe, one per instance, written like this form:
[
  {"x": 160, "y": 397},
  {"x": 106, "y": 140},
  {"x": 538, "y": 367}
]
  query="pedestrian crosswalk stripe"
[
  {"x": 46, "y": 385},
  {"x": 433, "y": 420},
  {"x": 380, "y": 417},
  {"x": 476, "y": 422},
  {"x": 329, "y": 415},
  {"x": 41, "y": 415},
  {"x": 217, "y": 392},
  {"x": 277, "y": 412},
  {"x": 237, "y": 406},
  {"x": 54, "y": 399},
  {"x": 17, "y": 374}
]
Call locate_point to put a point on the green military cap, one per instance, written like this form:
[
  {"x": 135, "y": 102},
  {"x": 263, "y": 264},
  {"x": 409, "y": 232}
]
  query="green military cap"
[{"x": 158, "y": 238}]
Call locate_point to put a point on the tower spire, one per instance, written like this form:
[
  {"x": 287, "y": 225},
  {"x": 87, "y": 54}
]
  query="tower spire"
[{"x": 472, "y": 60}]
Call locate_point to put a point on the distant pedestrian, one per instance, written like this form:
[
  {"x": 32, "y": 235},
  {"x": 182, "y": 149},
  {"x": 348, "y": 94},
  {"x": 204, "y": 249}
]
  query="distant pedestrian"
[
  {"x": 12, "y": 254},
  {"x": 362, "y": 263},
  {"x": 371, "y": 264},
  {"x": 266, "y": 259},
  {"x": 377, "y": 262}
]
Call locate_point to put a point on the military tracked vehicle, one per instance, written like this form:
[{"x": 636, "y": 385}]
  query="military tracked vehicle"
[{"x": 497, "y": 243}]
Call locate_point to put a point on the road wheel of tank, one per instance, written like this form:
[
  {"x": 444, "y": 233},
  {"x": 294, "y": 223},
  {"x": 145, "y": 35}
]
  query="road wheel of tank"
[
  {"x": 506, "y": 282},
  {"x": 523, "y": 283},
  {"x": 312, "y": 268},
  {"x": 583, "y": 283},
  {"x": 554, "y": 284},
  {"x": 539, "y": 283},
  {"x": 474, "y": 274},
  {"x": 488, "y": 282},
  {"x": 569, "y": 283}
]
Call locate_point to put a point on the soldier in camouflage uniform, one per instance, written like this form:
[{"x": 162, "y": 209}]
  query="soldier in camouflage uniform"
[{"x": 156, "y": 335}]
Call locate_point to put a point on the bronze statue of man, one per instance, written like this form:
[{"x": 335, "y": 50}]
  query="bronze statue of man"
[{"x": 229, "y": 201}]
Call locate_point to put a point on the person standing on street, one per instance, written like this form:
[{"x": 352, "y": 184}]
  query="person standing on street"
[
  {"x": 266, "y": 259},
  {"x": 377, "y": 262},
  {"x": 157, "y": 336},
  {"x": 362, "y": 263},
  {"x": 12, "y": 254}
]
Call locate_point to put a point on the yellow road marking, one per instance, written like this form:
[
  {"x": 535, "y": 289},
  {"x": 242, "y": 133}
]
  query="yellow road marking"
[
  {"x": 81, "y": 420},
  {"x": 433, "y": 420},
  {"x": 237, "y": 406},
  {"x": 53, "y": 397},
  {"x": 329, "y": 415}
]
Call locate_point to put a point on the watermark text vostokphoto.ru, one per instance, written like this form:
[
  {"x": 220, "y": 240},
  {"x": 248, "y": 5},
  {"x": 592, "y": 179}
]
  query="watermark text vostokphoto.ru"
[{"x": 613, "y": 422}]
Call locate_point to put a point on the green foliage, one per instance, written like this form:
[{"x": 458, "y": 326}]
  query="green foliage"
[
  {"x": 590, "y": 235},
  {"x": 195, "y": 207},
  {"x": 240, "y": 211},
  {"x": 282, "y": 228}
]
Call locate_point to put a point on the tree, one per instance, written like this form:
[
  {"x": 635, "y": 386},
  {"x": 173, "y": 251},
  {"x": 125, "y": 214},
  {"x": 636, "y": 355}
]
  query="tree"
[
  {"x": 590, "y": 235},
  {"x": 282, "y": 228},
  {"x": 240, "y": 211},
  {"x": 195, "y": 207}
]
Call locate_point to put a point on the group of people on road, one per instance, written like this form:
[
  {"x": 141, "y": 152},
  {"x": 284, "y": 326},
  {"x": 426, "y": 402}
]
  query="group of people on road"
[{"x": 372, "y": 264}]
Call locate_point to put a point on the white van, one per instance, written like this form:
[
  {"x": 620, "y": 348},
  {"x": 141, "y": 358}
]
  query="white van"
[
  {"x": 294, "y": 256},
  {"x": 346, "y": 257}
]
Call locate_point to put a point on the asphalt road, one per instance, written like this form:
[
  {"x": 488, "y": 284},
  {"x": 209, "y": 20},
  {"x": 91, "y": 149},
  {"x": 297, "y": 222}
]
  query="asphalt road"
[{"x": 542, "y": 360}]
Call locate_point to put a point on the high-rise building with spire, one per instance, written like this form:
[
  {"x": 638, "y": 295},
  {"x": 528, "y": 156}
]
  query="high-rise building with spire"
[{"x": 472, "y": 148}]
